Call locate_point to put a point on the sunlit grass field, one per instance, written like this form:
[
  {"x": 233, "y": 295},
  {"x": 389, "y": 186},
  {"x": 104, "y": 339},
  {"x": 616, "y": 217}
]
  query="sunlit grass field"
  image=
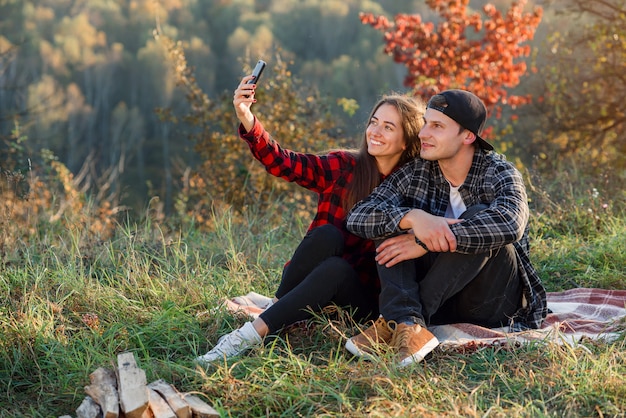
[{"x": 68, "y": 307}]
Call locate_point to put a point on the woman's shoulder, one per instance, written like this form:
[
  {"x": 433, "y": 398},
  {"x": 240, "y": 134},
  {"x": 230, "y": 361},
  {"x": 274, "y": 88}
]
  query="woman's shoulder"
[
  {"x": 346, "y": 153},
  {"x": 345, "y": 156}
]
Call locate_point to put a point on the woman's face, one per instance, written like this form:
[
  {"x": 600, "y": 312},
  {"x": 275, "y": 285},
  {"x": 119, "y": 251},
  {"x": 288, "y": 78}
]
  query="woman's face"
[{"x": 384, "y": 133}]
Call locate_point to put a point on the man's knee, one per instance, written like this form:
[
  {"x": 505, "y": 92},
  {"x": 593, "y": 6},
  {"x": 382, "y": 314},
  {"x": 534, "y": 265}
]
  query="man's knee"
[{"x": 473, "y": 210}]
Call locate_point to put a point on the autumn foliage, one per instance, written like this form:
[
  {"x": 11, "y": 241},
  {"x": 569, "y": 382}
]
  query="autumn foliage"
[
  {"x": 463, "y": 50},
  {"x": 55, "y": 199},
  {"x": 228, "y": 176},
  {"x": 584, "y": 83}
]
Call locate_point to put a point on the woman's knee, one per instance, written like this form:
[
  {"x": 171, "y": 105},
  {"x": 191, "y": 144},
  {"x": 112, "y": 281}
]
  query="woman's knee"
[
  {"x": 337, "y": 268},
  {"x": 327, "y": 236},
  {"x": 335, "y": 273}
]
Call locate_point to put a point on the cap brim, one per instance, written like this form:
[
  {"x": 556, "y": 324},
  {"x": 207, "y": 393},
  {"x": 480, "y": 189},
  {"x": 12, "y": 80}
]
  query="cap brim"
[{"x": 484, "y": 144}]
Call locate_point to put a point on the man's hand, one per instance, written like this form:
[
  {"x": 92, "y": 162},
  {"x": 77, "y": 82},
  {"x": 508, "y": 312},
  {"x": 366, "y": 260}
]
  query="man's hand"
[
  {"x": 433, "y": 231},
  {"x": 396, "y": 249}
]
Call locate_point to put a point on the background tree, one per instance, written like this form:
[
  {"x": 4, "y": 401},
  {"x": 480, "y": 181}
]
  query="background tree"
[
  {"x": 14, "y": 162},
  {"x": 463, "y": 50},
  {"x": 582, "y": 117},
  {"x": 84, "y": 78},
  {"x": 81, "y": 65},
  {"x": 228, "y": 174}
]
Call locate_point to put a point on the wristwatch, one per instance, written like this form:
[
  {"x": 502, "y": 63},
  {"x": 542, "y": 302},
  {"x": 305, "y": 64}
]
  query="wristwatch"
[{"x": 420, "y": 243}]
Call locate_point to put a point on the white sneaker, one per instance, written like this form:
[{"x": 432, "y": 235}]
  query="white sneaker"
[{"x": 232, "y": 344}]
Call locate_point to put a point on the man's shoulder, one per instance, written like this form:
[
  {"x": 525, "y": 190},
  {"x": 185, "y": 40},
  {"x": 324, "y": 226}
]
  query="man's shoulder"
[
  {"x": 417, "y": 167},
  {"x": 495, "y": 157},
  {"x": 494, "y": 167},
  {"x": 496, "y": 160},
  {"x": 417, "y": 163}
]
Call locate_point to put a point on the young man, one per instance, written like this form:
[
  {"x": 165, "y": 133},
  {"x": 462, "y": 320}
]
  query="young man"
[{"x": 452, "y": 234}]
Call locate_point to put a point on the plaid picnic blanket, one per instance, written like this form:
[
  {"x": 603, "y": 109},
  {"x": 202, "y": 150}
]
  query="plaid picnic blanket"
[{"x": 574, "y": 314}]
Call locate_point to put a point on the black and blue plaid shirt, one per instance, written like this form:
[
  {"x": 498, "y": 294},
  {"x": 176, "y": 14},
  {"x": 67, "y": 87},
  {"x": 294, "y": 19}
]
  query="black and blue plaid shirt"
[{"x": 492, "y": 181}]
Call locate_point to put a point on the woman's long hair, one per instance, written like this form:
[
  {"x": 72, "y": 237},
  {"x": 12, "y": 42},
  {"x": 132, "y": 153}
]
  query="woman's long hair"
[{"x": 366, "y": 175}]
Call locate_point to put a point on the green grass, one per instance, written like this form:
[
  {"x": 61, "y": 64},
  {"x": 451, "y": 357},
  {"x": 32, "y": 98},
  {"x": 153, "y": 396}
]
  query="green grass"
[{"x": 69, "y": 306}]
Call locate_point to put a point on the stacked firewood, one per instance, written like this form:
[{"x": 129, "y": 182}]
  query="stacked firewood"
[{"x": 124, "y": 393}]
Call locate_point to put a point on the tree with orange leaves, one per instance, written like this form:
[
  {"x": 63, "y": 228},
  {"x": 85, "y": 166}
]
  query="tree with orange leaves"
[{"x": 449, "y": 55}]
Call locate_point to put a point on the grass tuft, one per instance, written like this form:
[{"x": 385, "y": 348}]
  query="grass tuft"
[{"x": 69, "y": 306}]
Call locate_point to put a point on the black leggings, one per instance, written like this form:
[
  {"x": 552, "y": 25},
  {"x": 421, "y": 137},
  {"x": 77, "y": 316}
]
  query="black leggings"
[{"x": 318, "y": 276}]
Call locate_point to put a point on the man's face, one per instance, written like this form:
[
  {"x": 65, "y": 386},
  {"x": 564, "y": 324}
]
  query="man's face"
[{"x": 441, "y": 137}]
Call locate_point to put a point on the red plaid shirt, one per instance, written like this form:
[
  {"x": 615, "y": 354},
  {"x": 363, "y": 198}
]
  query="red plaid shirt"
[{"x": 327, "y": 175}]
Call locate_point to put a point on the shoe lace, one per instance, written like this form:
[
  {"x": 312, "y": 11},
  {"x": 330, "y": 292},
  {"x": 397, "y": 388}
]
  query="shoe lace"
[
  {"x": 401, "y": 337},
  {"x": 385, "y": 327},
  {"x": 381, "y": 326},
  {"x": 229, "y": 343}
]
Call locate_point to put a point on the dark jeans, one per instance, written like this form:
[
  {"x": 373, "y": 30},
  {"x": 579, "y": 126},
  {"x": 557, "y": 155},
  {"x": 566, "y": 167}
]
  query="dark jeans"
[
  {"x": 318, "y": 276},
  {"x": 444, "y": 288}
]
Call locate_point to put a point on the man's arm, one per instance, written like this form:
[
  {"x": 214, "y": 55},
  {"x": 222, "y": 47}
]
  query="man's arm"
[
  {"x": 379, "y": 215},
  {"x": 504, "y": 221},
  {"x": 432, "y": 231},
  {"x": 392, "y": 208}
]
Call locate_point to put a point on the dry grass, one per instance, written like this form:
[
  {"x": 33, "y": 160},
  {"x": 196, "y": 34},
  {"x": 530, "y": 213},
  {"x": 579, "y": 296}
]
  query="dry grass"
[{"x": 69, "y": 304}]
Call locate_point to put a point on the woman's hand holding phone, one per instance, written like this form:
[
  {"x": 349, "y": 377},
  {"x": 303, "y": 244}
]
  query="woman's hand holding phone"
[
  {"x": 258, "y": 70},
  {"x": 244, "y": 96}
]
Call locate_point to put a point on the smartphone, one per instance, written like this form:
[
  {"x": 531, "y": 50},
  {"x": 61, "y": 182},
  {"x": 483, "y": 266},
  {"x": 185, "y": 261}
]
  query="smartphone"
[{"x": 258, "y": 70}]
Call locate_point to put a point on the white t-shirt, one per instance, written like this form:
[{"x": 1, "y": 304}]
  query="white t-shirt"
[{"x": 456, "y": 206}]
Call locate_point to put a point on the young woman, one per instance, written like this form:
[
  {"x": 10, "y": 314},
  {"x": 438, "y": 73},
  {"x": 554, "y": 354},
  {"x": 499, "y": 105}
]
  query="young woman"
[{"x": 330, "y": 265}]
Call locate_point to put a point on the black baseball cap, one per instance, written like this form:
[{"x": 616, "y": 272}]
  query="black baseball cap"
[{"x": 467, "y": 110}]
